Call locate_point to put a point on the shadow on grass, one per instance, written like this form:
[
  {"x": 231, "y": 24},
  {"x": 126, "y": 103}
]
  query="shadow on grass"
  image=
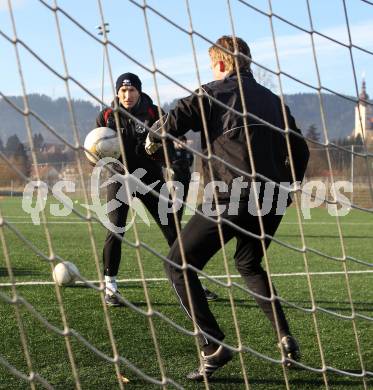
[
  {"x": 297, "y": 383},
  {"x": 219, "y": 302},
  {"x": 333, "y": 305},
  {"x": 21, "y": 272},
  {"x": 238, "y": 302},
  {"x": 78, "y": 286},
  {"x": 335, "y": 382},
  {"x": 322, "y": 236}
]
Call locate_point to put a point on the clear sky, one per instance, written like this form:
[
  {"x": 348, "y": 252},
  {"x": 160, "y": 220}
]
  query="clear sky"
[{"x": 36, "y": 27}]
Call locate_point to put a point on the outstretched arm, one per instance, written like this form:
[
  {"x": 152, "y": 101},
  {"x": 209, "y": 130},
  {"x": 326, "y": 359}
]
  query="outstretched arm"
[{"x": 184, "y": 117}]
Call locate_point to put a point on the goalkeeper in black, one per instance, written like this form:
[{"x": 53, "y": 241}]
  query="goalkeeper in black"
[
  {"x": 131, "y": 100},
  {"x": 232, "y": 176}
]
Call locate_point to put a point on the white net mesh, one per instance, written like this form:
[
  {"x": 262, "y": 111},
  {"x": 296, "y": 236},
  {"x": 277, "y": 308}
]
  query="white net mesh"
[{"x": 150, "y": 350}]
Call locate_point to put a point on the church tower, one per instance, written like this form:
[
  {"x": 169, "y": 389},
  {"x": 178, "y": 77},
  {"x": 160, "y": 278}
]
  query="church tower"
[{"x": 364, "y": 116}]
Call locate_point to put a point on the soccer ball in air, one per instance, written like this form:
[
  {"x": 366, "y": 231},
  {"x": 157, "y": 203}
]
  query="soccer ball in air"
[
  {"x": 101, "y": 142},
  {"x": 65, "y": 273}
]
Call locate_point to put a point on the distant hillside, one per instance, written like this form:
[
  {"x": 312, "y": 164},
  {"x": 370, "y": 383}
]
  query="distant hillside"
[
  {"x": 54, "y": 112},
  {"x": 339, "y": 113},
  {"x": 305, "y": 107}
]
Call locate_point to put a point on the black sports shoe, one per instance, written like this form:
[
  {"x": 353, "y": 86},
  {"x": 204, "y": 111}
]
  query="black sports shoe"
[
  {"x": 114, "y": 300},
  {"x": 210, "y": 296},
  {"x": 291, "y": 349},
  {"x": 211, "y": 363}
]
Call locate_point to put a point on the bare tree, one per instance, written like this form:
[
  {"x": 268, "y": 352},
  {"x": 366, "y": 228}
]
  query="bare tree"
[{"x": 264, "y": 78}]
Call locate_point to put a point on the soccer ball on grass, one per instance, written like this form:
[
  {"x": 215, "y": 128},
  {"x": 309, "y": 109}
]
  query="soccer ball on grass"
[{"x": 65, "y": 273}]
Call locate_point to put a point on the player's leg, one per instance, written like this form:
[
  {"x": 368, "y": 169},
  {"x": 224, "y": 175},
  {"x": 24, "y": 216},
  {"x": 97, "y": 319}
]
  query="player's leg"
[
  {"x": 183, "y": 176},
  {"x": 151, "y": 202},
  {"x": 113, "y": 248},
  {"x": 200, "y": 241},
  {"x": 157, "y": 205},
  {"x": 248, "y": 257}
]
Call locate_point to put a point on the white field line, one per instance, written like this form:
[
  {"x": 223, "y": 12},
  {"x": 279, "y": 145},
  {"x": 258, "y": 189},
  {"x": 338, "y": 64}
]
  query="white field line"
[
  {"x": 49, "y": 222},
  {"x": 79, "y": 220},
  {"x": 327, "y": 223},
  {"x": 44, "y": 283}
]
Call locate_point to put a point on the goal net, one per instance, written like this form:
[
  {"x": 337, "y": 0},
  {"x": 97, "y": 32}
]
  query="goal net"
[{"x": 60, "y": 61}]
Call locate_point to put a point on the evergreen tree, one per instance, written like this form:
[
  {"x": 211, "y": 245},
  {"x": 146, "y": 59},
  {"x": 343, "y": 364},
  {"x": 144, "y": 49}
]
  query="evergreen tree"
[
  {"x": 38, "y": 141},
  {"x": 21, "y": 151},
  {"x": 13, "y": 144},
  {"x": 359, "y": 140},
  {"x": 313, "y": 134},
  {"x": 18, "y": 157}
]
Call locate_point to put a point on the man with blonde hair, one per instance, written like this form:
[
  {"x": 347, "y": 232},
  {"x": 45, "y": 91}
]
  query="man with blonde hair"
[
  {"x": 222, "y": 127},
  {"x": 221, "y": 52}
]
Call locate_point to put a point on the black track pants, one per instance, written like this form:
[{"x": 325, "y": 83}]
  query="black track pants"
[
  {"x": 113, "y": 246},
  {"x": 183, "y": 177},
  {"x": 201, "y": 241}
]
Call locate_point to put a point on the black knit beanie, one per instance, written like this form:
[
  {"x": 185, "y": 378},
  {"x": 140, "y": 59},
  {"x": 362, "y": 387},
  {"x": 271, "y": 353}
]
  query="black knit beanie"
[{"x": 128, "y": 79}]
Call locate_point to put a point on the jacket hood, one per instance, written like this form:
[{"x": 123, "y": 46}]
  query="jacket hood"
[{"x": 245, "y": 72}]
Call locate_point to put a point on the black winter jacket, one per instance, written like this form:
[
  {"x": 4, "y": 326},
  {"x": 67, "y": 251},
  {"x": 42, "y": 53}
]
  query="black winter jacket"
[
  {"x": 182, "y": 158},
  {"x": 133, "y": 133},
  {"x": 227, "y": 134}
]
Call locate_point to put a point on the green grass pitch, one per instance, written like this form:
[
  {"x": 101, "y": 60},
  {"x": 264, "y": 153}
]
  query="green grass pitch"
[{"x": 70, "y": 240}]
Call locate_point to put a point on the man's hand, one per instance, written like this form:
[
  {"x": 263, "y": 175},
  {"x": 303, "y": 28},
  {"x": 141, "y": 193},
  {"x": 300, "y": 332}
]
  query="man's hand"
[{"x": 151, "y": 147}]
